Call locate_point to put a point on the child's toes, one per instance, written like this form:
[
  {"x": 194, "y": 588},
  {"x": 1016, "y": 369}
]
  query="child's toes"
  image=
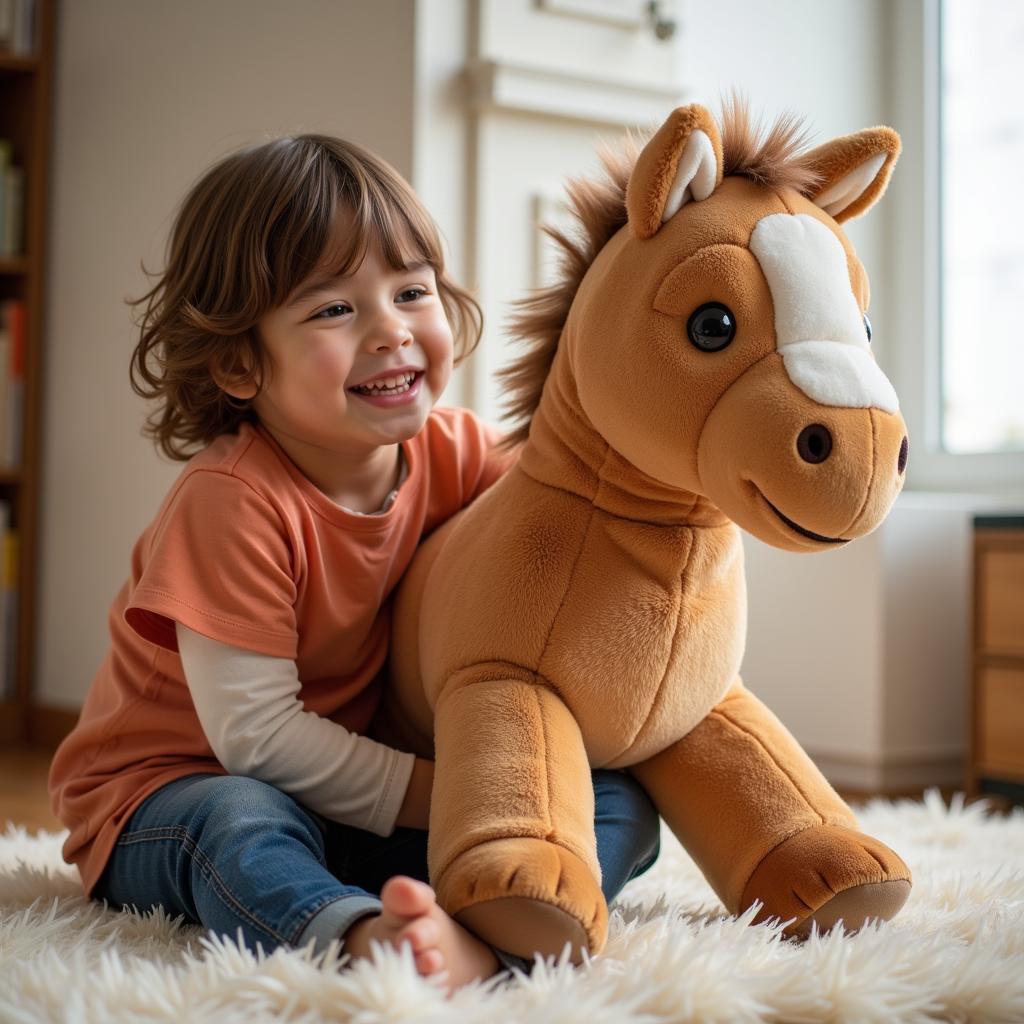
[
  {"x": 406, "y": 897},
  {"x": 430, "y": 961},
  {"x": 422, "y": 934}
]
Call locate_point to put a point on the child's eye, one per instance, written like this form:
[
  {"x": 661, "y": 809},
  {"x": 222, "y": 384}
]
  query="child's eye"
[
  {"x": 324, "y": 312},
  {"x": 410, "y": 294}
]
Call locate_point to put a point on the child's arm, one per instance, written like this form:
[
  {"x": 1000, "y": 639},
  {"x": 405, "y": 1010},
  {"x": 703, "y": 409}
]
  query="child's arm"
[{"x": 249, "y": 709}]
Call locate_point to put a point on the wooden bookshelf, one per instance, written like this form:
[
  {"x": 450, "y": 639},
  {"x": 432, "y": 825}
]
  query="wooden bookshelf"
[{"x": 26, "y": 121}]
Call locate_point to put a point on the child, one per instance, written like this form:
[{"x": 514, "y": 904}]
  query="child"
[{"x": 297, "y": 341}]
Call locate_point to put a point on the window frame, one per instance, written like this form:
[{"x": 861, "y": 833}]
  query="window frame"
[{"x": 915, "y": 277}]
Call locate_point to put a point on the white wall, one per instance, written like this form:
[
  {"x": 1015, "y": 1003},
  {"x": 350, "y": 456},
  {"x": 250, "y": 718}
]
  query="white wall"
[{"x": 147, "y": 96}]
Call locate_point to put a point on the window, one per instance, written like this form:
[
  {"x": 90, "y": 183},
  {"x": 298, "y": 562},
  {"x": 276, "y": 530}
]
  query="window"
[
  {"x": 982, "y": 225},
  {"x": 953, "y": 342}
]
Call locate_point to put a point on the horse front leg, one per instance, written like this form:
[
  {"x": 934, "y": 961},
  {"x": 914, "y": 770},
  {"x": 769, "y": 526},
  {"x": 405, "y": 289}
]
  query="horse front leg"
[
  {"x": 512, "y": 851},
  {"x": 762, "y": 822}
]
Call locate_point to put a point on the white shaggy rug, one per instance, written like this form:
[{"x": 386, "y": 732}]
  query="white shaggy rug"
[{"x": 955, "y": 953}]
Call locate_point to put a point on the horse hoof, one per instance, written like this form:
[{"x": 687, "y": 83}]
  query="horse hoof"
[
  {"x": 873, "y": 901},
  {"x": 526, "y": 896},
  {"x": 824, "y": 873}
]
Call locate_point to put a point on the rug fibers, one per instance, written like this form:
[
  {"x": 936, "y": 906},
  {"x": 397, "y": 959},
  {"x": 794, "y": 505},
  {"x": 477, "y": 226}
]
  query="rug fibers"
[{"x": 955, "y": 952}]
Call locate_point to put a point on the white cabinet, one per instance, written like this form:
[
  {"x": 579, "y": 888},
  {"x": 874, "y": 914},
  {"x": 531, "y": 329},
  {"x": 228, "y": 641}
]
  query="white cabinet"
[
  {"x": 546, "y": 81},
  {"x": 614, "y": 41}
]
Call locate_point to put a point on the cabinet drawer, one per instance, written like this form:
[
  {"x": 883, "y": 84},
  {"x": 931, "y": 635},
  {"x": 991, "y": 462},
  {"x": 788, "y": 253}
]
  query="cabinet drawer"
[
  {"x": 1001, "y": 722},
  {"x": 1001, "y": 597}
]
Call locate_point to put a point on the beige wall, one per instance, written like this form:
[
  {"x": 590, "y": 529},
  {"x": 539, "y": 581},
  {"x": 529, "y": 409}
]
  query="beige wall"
[{"x": 147, "y": 95}]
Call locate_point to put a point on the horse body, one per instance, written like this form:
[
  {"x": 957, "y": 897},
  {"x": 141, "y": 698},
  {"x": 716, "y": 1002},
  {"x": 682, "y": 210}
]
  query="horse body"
[
  {"x": 629, "y": 604},
  {"x": 589, "y": 609}
]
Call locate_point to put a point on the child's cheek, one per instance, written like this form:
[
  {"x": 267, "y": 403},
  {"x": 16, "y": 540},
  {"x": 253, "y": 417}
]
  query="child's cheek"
[
  {"x": 439, "y": 344},
  {"x": 326, "y": 366}
]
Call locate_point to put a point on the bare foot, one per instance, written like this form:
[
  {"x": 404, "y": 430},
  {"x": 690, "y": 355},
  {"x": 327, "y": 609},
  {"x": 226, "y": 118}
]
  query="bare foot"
[{"x": 439, "y": 944}]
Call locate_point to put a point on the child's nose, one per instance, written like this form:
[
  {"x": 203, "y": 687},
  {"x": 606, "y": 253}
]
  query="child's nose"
[{"x": 387, "y": 332}]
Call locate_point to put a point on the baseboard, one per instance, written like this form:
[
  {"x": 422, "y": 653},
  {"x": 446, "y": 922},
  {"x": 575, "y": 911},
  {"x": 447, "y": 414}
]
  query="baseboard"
[{"x": 894, "y": 774}]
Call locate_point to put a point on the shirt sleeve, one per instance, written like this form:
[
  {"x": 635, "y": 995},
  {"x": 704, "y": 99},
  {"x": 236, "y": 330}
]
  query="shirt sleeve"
[
  {"x": 220, "y": 562},
  {"x": 249, "y": 709}
]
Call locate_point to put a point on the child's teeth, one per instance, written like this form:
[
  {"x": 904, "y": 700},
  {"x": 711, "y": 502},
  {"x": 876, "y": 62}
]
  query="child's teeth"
[{"x": 392, "y": 385}]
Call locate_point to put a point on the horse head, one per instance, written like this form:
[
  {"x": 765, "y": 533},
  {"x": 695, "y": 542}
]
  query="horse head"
[{"x": 719, "y": 340}]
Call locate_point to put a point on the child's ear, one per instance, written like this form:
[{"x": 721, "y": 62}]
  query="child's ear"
[{"x": 233, "y": 374}]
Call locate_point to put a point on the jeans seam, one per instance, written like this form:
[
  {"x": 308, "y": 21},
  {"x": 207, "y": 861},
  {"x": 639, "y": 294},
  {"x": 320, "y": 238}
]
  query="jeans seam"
[{"x": 220, "y": 889}]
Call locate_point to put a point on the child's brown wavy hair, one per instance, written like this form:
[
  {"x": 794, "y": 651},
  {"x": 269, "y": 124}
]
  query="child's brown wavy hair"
[{"x": 248, "y": 232}]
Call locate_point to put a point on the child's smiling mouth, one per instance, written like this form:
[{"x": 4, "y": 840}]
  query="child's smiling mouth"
[{"x": 397, "y": 389}]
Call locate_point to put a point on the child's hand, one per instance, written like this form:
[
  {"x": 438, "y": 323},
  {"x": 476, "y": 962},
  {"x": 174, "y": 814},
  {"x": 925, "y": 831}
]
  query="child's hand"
[{"x": 415, "y": 809}]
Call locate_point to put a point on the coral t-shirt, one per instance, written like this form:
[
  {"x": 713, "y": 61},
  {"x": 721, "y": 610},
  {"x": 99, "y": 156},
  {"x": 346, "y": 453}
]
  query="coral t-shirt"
[{"x": 247, "y": 551}]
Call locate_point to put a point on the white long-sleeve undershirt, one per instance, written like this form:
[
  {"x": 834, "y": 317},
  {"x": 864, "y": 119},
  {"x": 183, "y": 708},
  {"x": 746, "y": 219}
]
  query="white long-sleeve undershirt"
[{"x": 249, "y": 708}]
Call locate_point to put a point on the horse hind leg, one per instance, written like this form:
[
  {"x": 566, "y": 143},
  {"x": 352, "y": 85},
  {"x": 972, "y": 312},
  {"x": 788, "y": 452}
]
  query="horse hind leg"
[{"x": 763, "y": 823}]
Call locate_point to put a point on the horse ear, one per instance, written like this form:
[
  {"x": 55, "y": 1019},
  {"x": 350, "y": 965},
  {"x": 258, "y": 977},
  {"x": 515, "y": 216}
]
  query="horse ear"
[
  {"x": 682, "y": 161},
  {"x": 853, "y": 171}
]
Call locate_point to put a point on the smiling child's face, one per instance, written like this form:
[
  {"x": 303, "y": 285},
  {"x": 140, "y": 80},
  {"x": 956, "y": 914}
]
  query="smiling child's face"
[{"x": 333, "y": 338}]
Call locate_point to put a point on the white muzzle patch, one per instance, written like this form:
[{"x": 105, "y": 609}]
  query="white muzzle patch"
[{"x": 818, "y": 324}]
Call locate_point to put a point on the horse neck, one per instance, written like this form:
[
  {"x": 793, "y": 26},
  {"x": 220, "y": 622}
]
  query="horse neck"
[{"x": 565, "y": 451}]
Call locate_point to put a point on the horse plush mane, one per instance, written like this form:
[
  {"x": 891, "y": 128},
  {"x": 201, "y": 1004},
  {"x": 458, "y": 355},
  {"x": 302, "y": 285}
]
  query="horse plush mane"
[
  {"x": 774, "y": 158},
  {"x": 704, "y": 364}
]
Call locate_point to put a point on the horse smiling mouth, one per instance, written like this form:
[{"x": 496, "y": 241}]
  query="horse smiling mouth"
[{"x": 796, "y": 526}]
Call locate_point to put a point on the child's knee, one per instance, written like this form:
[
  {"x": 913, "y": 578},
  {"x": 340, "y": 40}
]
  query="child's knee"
[{"x": 231, "y": 805}]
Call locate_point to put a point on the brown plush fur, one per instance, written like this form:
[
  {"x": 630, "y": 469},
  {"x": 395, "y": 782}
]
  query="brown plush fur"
[
  {"x": 775, "y": 158},
  {"x": 589, "y": 609}
]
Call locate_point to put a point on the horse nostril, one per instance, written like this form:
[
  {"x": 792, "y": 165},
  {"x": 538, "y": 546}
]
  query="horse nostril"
[
  {"x": 901, "y": 462},
  {"x": 814, "y": 443}
]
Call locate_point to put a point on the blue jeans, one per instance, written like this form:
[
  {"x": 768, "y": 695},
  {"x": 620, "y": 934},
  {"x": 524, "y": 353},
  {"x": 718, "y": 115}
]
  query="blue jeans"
[{"x": 238, "y": 855}]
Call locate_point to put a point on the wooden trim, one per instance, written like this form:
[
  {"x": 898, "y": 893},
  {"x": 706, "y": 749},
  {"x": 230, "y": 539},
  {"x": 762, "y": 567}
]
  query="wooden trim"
[
  {"x": 12, "y": 727},
  {"x": 1005, "y": 772},
  {"x": 995, "y": 527},
  {"x": 971, "y": 774},
  {"x": 11, "y": 64}
]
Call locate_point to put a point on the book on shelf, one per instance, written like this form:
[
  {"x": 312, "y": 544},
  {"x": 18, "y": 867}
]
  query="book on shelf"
[
  {"x": 18, "y": 24},
  {"x": 12, "y": 381},
  {"x": 12, "y": 203},
  {"x": 8, "y": 603}
]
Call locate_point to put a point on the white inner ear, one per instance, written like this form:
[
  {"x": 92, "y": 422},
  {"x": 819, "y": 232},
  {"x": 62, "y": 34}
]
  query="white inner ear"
[
  {"x": 695, "y": 174},
  {"x": 850, "y": 187}
]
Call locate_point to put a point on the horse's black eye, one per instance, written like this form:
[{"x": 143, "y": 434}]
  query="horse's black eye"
[
  {"x": 711, "y": 327},
  {"x": 867, "y": 327}
]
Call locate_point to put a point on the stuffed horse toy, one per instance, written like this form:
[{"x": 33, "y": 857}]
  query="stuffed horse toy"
[{"x": 704, "y": 366}]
